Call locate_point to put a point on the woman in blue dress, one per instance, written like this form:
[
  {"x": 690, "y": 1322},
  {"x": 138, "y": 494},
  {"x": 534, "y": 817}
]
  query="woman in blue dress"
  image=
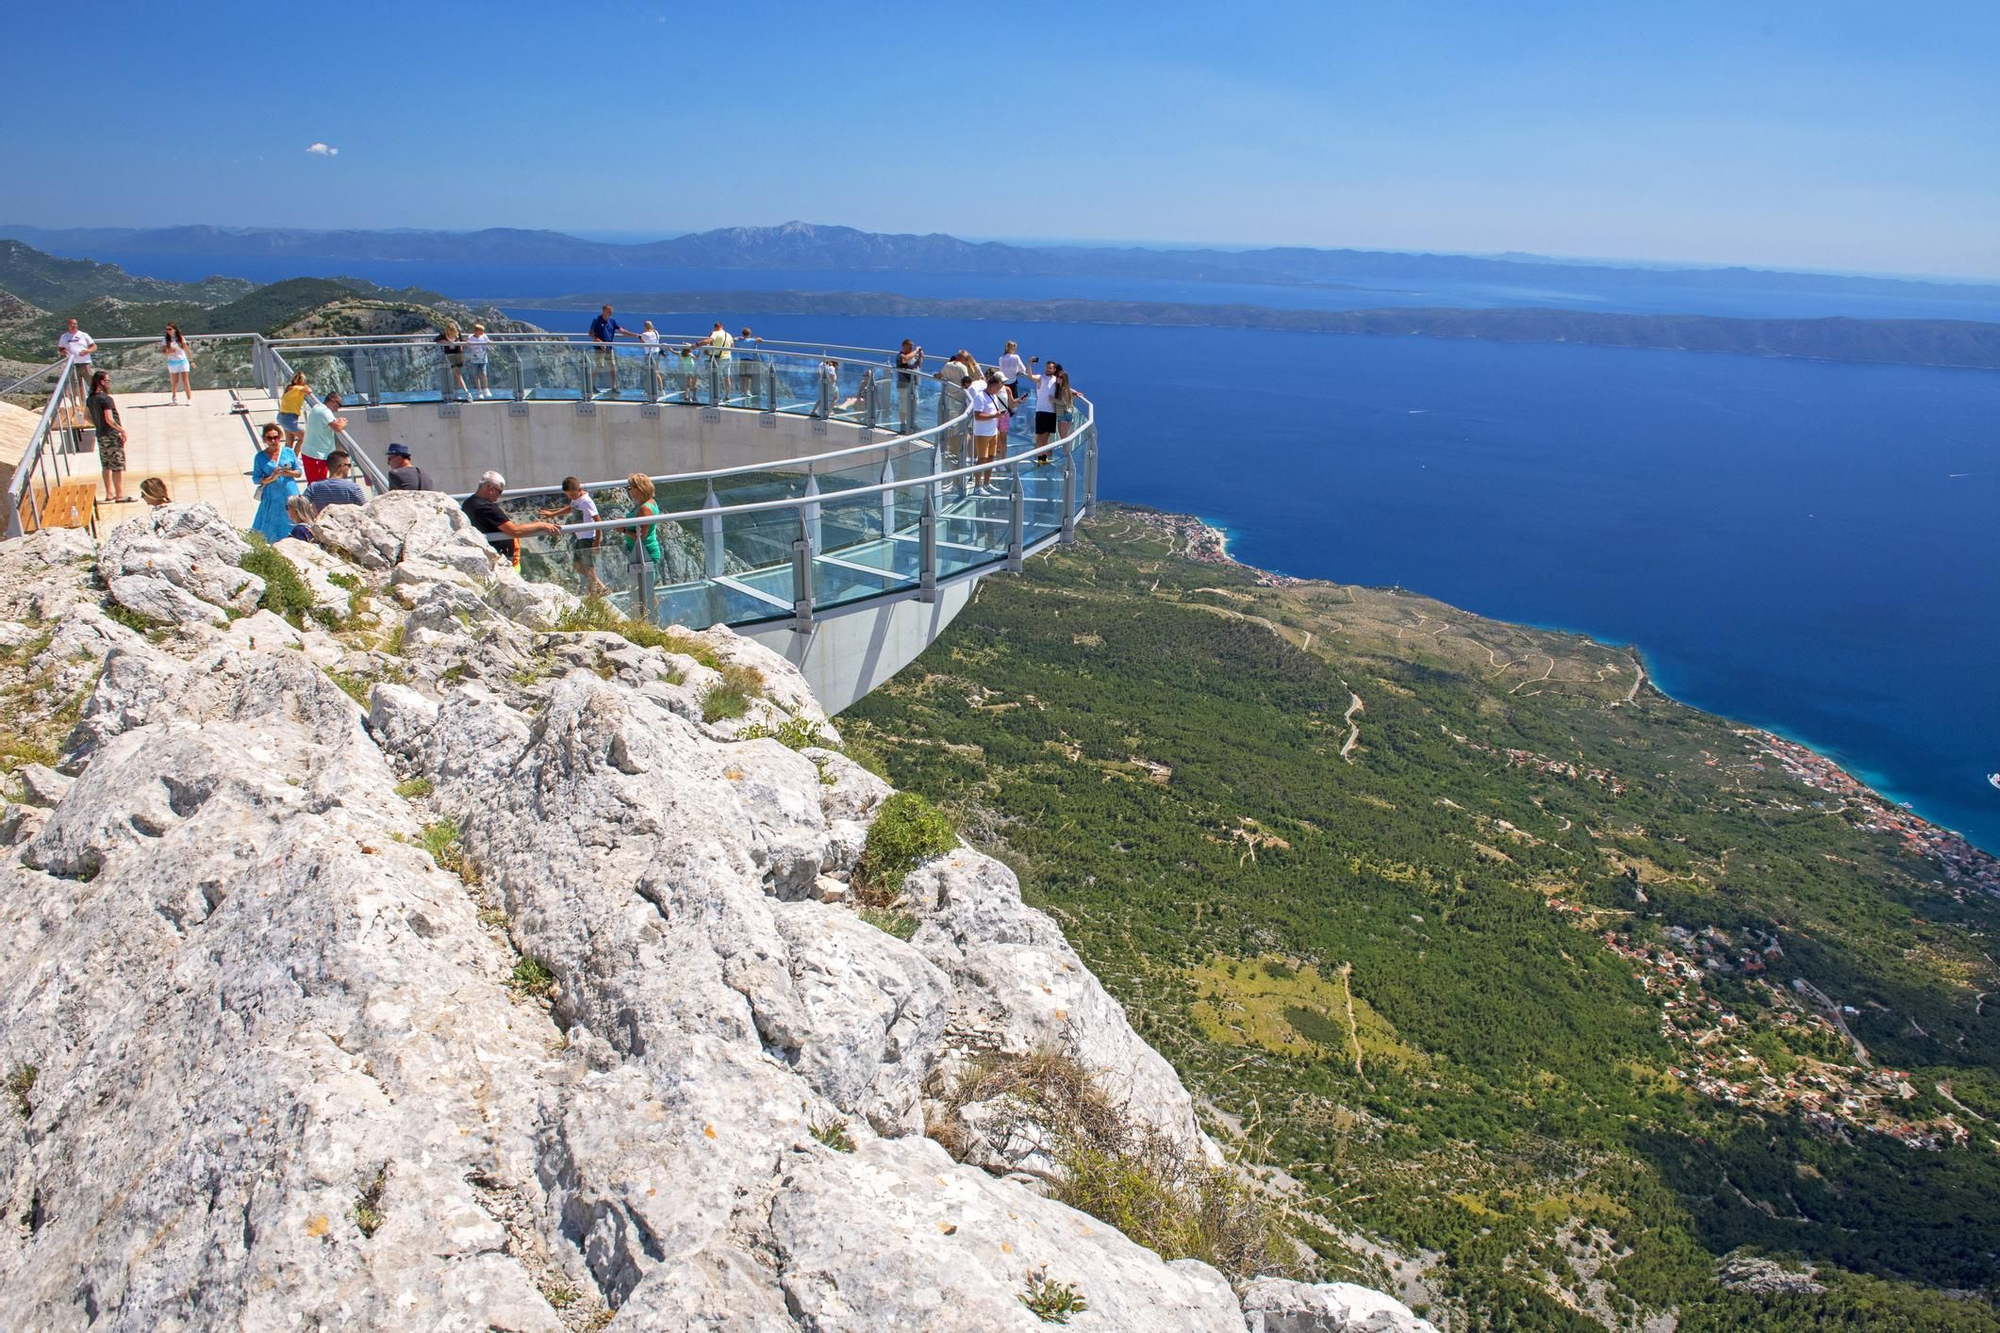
[{"x": 275, "y": 473}]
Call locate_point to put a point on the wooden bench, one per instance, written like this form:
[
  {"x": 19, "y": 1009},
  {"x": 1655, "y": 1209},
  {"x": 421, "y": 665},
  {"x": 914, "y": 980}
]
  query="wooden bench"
[{"x": 72, "y": 504}]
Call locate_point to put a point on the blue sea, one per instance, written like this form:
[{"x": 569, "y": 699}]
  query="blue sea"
[{"x": 1804, "y": 546}]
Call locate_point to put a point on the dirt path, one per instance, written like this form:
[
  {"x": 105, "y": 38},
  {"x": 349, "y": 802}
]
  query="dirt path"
[
  {"x": 1353, "y": 1032},
  {"x": 1353, "y": 727},
  {"x": 1632, "y": 694}
]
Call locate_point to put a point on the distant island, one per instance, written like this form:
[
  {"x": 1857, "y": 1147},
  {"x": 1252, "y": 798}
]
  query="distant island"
[
  {"x": 806, "y": 245},
  {"x": 1966, "y": 344}
]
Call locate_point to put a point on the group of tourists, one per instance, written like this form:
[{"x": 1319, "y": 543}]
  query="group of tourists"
[
  {"x": 91, "y": 400},
  {"x": 465, "y": 360},
  {"x": 734, "y": 356},
  {"x": 302, "y": 467}
]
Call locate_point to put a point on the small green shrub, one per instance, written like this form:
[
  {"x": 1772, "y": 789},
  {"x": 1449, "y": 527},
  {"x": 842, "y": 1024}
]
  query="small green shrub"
[
  {"x": 455, "y": 673},
  {"x": 17, "y": 749},
  {"x": 369, "y": 1215},
  {"x": 414, "y": 789},
  {"x": 598, "y": 614},
  {"x": 1176, "y": 1204},
  {"x": 799, "y": 733},
  {"x": 531, "y": 978},
  {"x": 285, "y": 590},
  {"x": 1052, "y": 1302},
  {"x": 19, "y": 1084},
  {"x": 345, "y": 582},
  {"x": 393, "y": 645},
  {"x": 907, "y": 831},
  {"x": 833, "y": 1133},
  {"x": 561, "y": 1296},
  {"x": 731, "y": 696},
  {"x": 890, "y": 922}
]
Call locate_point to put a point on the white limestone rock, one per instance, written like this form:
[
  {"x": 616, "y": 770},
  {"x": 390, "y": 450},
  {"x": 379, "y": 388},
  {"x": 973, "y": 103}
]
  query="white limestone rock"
[
  {"x": 1272, "y": 1305},
  {"x": 1019, "y": 988},
  {"x": 400, "y": 719},
  {"x": 42, "y": 786},
  {"x": 895, "y": 1235},
  {"x": 137, "y": 678},
  {"x": 40, "y": 578},
  {"x": 317, "y": 566},
  {"x": 158, "y": 599},
  {"x": 190, "y": 547}
]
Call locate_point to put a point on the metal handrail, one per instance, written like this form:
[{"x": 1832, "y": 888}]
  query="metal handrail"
[
  {"x": 1007, "y": 462},
  {"x": 282, "y": 369},
  {"x": 35, "y": 456},
  {"x": 35, "y": 374}
]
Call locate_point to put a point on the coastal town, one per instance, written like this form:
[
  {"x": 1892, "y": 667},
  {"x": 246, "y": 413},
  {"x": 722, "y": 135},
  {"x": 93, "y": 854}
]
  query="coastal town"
[{"x": 1962, "y": 864}]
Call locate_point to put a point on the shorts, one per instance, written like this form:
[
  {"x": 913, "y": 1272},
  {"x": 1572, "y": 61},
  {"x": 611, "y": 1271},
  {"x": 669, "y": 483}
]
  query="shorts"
[
  {"x": 583, "y": 545},
  {"x": 288, "y": 422},
  {"x": 315, "y": 468},
  {"x": 110, "y": 451},
  {"x": 177, "y": 367},
  {"x": 1045, "y": 423}
]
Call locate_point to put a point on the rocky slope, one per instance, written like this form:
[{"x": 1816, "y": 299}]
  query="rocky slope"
[{"x": 527, "y": 995}]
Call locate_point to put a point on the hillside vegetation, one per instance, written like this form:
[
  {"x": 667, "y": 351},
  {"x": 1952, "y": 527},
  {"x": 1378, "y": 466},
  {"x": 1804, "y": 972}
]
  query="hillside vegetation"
[
  {"x": 1548, "y": 999},
  {"x": 40, "y": 293}
]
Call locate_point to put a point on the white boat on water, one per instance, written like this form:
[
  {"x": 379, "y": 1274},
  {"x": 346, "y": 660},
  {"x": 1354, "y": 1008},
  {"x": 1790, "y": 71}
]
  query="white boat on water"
[{"x": 1993, "y": 778}]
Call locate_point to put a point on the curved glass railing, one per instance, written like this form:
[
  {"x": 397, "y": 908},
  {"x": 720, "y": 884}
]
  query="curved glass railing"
[{"x": 789, "y": 540}]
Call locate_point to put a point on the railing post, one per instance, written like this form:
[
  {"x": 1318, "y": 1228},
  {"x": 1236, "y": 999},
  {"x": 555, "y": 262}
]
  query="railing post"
[
  {"x": 809, "y": 512},
  {"x": 715, "y": 394},
  {"x": 1069, "y": 492},
  {"x": 802, "y": 577},
  {"x": 927, "y": 541},
  {"x": 1017, "y": 515},
  {"x": 888, "y": 498},
  {"x": 711, "y": 536},
  {"x": 647, "y": 602},
  {"x": 1090, "y": 470},
  {"x": 589, "y": 360},
  {"x": 520, "y": 387},
  {"x": 868, "y": 411}
]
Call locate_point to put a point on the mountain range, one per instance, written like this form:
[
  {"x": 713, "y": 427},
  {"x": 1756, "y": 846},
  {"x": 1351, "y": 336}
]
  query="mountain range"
[{"x": 805, "y": 245}]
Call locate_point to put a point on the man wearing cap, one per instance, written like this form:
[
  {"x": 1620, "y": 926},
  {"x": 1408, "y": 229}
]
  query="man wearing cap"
[
  {"x": 323, "y": 425},
  {"x": 336, "y": 488},
  {"x": 483, "y": 508},
  {"x": 405, "y": 475}
]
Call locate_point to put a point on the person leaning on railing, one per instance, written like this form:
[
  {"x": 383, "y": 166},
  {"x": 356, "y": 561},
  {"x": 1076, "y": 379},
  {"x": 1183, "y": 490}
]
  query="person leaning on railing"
[{"x": 483, "y": 508}]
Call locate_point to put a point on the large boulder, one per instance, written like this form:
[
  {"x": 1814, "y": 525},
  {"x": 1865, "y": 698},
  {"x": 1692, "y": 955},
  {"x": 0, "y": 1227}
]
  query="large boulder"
[{"x": 167, "y": 562}]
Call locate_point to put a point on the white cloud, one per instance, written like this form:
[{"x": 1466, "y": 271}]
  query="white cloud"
[{"x": 321, "y": 150}]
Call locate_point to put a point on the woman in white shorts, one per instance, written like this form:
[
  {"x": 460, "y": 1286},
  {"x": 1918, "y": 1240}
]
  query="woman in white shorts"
[{"x": 175, "y": 349}]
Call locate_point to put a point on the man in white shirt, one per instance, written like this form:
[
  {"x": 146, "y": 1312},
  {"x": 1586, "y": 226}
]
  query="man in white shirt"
[
  {"x": 477, "y": 349},
  {"x": 719, "y": 343},
  {"x": 77, "y": 346}
]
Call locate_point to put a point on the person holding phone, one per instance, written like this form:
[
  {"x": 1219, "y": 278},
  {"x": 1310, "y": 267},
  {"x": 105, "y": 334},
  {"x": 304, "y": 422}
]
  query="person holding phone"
[{"x": 276, "y": 474}]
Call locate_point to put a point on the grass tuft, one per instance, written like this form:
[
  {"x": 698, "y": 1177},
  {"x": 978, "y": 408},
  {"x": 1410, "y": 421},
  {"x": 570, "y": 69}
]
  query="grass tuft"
[
  {"x": 531, "y": 978},
  {"x": 413, "y": 789},
  {"x": 442, "y": 842},
  {"x": 731, "y": 696},
  {"x": 598, "y": 614},
  {"x": 131, "y": 619},
  {"x": 832, "y": 1133},
  {"x": 1050, "y": 1301},
  {"x": 890, "y": 922},
  {"x": 369, "y": 1215}
]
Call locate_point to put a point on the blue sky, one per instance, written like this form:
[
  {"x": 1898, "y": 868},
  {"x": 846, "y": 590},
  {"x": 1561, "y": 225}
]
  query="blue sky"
[{"x": 1824, "y": 135}]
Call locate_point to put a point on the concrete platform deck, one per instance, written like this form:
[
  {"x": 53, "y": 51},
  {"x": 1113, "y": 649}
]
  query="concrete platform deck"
[{"x": 202, "y": 452}]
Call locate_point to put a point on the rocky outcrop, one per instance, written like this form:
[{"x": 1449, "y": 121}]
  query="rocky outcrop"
[
  {"x": 1273, "y": 1305},
  {"x": 517, "y": 996}
]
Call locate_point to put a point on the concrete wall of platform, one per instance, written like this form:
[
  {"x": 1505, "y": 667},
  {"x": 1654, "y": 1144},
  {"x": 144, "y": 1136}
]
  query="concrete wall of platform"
[
  {"x": 844, "y": 657},
  {"x": 552, "y": 440}
]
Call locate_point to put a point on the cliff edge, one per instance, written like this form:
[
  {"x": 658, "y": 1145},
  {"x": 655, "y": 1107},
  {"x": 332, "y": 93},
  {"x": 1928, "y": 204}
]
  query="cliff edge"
[{"x": 395, "y": 944}]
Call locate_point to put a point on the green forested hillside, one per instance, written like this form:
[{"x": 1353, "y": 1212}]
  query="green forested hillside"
[{"x": 1537, "y": 993}]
